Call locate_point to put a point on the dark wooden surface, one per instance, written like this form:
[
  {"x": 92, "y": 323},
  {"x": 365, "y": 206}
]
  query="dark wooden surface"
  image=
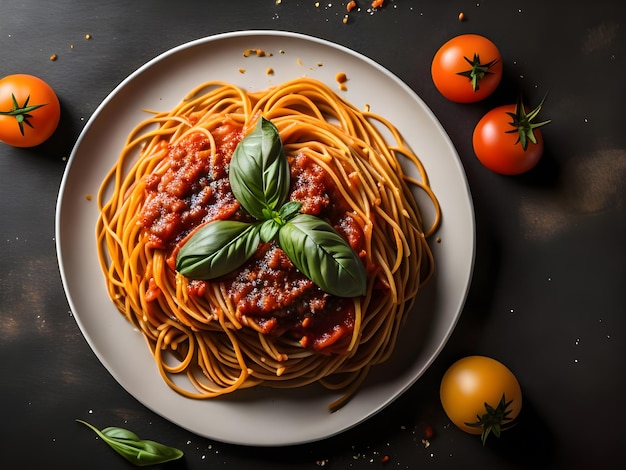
[{"x": 547, "y": 298}]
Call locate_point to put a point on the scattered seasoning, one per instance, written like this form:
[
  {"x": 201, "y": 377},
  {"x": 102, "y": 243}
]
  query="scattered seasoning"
[
  {"x": 53, "y": 57},
  {"x": 87, "y": 36},
  {"x": 384, "y": 459},
  {"x": 350, "y": 6},
  {"x": 241, "y": 70},
  {"x": 438, "y": 239},
  {"x": 71, "y": 46},
  {"x": 269, "y": 71},
  {"x": 377, "y": 3},
  {"x": 89, "y": 197},
  {"x": 461, "y": 16},
  {"x": 345, "y": 19}
]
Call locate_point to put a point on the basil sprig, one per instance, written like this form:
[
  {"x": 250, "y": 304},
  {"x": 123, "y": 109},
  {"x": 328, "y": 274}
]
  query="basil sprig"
[
  {"x": 260, "y": 179},
  {"x": 139, "y": 452}
]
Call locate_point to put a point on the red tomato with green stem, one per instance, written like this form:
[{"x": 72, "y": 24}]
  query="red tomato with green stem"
[
  {"x": 467, "y": 68},
  {"x": 507, "y": 140},
  {"x": 29, "y": 110}
]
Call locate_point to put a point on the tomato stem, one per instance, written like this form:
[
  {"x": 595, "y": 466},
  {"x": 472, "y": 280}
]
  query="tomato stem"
[
  {"x": 522, "y": 122},
  {"x": 494, "y": 420},
  {"x": 21, "y": 113},
  {"x": 478, "y": 70}
]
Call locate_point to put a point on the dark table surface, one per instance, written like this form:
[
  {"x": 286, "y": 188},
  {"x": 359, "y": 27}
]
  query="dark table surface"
[{"x": 548, "y": 293}]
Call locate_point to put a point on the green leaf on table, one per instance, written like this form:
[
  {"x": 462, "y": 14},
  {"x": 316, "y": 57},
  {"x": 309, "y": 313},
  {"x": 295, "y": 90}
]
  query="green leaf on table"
[{"x": 139, "y": 452}]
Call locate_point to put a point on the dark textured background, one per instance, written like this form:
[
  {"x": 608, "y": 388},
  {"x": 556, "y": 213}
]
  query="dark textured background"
[{"x": 547, "y": 298}]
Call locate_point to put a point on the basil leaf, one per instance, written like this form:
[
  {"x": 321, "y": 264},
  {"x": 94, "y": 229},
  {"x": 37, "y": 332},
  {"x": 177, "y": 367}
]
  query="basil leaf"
[
  {"x": 276, "y": 219},
  {"x": 120, "y": 433},
  {"x": 217, "y": 248},
  {"x": 259, "y": 171},
  {"x": 289, "y": 210},
  {"x": 137, "y": 451},
  {"x": 322, "y": 255},
  {"x": 269, "y": 230}
]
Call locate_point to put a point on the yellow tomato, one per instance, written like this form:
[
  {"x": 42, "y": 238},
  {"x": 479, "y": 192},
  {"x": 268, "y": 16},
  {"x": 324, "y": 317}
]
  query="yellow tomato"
[{"x": 480, "y": 395}]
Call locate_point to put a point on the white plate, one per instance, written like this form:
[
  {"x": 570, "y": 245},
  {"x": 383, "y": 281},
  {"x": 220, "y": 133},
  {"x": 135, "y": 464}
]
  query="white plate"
[{"x": 261, "y": 417}]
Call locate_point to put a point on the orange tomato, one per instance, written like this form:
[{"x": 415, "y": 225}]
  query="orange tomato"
[
  {"x": 29, "y": 110},
  {"x": 480, "y": 395},
  {"x": 467, "y": 68}
]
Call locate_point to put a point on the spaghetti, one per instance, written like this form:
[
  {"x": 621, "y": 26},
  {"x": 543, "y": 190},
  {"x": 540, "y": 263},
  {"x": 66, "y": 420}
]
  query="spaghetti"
[{"x": 172, "y": 177}]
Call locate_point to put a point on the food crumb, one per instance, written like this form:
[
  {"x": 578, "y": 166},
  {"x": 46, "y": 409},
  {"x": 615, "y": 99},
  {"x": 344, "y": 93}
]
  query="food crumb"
[
  {"x": 384, "y": 459},
  {"x": 241, "y": 70},
  {"x": 350, "y": 6},
  {"x": 377, "y": 3},
  {"x": 345, "y": 20},
  {"x": 53, "y": 57},
  {"x": 269, "y": 71},
  {"x": 461, "y": 16},
  {"x": 88, "y": 36},
  {"x": 317, "y": 4},
  {"x": 278, "y": 2},
  {"x": 257, "y": 52},
  {"x": 89, "y": 197},
  {"x": 341, "y": 79},
  {"x": 71, "y": 46}
]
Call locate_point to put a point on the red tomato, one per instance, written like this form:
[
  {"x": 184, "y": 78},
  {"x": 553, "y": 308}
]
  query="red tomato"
[
  {"x": 29, "y": 110},
  {"x": 507, "y": 141},
  {"x": 467, "y": 68}
]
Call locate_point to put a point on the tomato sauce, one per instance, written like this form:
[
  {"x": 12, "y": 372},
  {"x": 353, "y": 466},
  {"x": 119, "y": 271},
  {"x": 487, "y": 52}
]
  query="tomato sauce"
[
  {"x": 195, "y": 188},
  {"x": 270, "y": 294}
]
